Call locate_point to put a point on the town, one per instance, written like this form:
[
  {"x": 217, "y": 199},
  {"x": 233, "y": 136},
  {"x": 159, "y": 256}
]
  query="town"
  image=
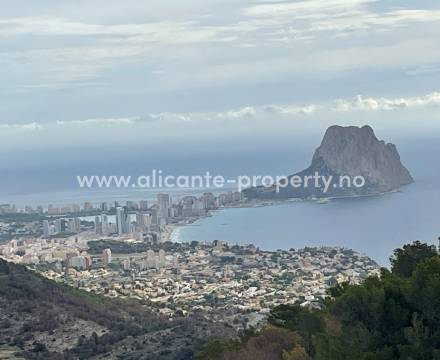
[
  {"x": 134, "y": 218},
  {"x": 125, "y": 251}
]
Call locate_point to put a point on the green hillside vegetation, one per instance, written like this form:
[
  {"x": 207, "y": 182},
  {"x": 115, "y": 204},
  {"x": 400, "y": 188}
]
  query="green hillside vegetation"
[{"x": 394, "y": 316}]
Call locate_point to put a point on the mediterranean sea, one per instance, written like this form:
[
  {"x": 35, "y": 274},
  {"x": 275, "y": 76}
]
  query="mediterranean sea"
[{"x": 373, "y": 225}]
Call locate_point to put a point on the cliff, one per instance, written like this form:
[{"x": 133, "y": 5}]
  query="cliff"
[{"x": 348, "y": 155}]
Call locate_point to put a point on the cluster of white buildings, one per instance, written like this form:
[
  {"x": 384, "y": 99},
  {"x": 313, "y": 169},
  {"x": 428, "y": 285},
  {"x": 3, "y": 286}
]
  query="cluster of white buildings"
[
  {"x": 156, "y": 260},
  {"x": 35, "y": 251},
  {"x": 216, "y": 279},
  {"x": 225, "y": 282},
  {"x": 67, "y": 253}
]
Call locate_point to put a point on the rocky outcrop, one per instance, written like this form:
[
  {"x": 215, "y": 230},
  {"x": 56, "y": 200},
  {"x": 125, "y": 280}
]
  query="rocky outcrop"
[{"x": 350, "y": 156}]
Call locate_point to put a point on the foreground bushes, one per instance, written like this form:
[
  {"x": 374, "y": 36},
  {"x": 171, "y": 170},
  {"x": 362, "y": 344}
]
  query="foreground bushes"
[{"x": 394, "y": 316}]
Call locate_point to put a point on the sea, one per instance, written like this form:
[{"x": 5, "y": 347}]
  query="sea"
[{"x": 371, "y": 225}]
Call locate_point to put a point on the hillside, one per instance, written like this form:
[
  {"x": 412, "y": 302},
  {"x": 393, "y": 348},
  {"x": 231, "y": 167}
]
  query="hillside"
[
  {"x": 391, "y": 317},
  {"x": 40, "y": 319}
]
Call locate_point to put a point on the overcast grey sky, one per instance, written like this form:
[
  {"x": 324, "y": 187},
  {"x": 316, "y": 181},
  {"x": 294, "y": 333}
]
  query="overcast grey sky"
[{"x": 171, "y": 70}]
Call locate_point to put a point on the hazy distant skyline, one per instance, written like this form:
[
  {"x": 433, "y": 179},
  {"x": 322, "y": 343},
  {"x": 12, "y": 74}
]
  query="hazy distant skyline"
[{"x": 161, "y": 71}]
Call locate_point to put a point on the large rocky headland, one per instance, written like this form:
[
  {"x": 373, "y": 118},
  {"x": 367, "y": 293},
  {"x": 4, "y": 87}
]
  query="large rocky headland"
[{"x": 349, "y": 152}]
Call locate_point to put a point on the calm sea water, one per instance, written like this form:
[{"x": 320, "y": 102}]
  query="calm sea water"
[{"x": 374, "y": 226}]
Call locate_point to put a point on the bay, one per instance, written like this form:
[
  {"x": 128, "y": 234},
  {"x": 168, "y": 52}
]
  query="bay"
[{"x": 374, "y": 225}]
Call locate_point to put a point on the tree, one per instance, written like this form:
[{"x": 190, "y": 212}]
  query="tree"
[
  {"x": 392, "y": 316},
  {"x": 270, "y": 344},
  {"x": 301, "y": 320},
  {"x": 296, "y": 354},
  {"x": 404, "y": 261}
]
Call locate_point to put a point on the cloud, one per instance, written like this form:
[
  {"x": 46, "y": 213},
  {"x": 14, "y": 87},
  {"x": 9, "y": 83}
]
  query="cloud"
[
  {"x": 292, "y": 109},
  {"x": 159, "y": 31},
  {"x": 88, "y": 50},
  {"x": 307, "y": 8},
  {"x": 360, "y": 103},
  {"x": 239, "y": 113},
  {"x": 229, "y": 47},
  {"x": 22, "y": 127},
  {"x": 117, "y": 61},
  {"x": 294, "y": 19},
  {"x": 103, "y": 121},
  {"x": 374, "y": 21},
  {"x": 268, "y": 121},
  {"x": 306, "y": 20}
]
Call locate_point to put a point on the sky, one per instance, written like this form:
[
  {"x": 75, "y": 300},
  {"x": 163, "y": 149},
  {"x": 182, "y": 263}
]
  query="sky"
[{"x": 207, "y": 73}]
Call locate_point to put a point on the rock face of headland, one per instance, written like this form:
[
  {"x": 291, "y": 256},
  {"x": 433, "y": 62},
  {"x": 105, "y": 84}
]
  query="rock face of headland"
[{"x": 348, "y": 152}]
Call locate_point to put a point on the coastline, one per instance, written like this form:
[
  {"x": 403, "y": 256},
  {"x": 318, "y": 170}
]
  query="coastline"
[
  {"x": 167, "y": 234},
  {"x": 171, "y": 232}
]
